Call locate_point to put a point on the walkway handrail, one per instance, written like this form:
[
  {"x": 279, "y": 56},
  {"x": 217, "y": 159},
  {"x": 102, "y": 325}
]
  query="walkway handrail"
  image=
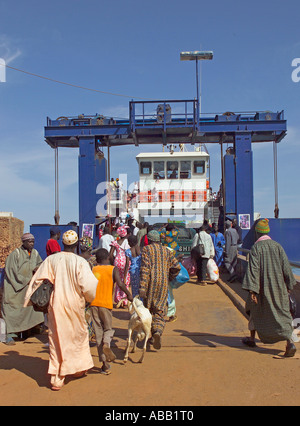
[{"x": 247, "y": 251}]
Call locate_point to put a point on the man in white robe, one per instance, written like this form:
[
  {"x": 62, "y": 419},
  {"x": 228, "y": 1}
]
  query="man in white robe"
[{"x": 74, "y": 284}]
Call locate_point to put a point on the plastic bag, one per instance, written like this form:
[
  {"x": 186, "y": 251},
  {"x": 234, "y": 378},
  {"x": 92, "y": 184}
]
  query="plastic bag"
[
  {"x": 293, "y": 306},
  {"x": 171, "y": 302},
  {"x": 2, "y": 331},
  {"x": 213, "y": 270},
  {"x": 190, "y": 266},
  {"x": 181, "y": 278}
]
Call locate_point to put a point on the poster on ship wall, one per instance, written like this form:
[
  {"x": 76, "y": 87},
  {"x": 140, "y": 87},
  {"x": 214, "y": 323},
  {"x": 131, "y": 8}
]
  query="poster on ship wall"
[
  {"x": 87, "y": 230},
  {"x": 244, "y": 221}
]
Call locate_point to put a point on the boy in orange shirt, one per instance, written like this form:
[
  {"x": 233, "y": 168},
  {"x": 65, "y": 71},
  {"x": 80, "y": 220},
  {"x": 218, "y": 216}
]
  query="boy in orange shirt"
[{"x": 102, "y": 305}]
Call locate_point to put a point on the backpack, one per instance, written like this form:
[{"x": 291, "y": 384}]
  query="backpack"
[{"x": 199, "y": 248}]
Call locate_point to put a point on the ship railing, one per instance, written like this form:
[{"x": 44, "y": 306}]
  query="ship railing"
[
  {"x": 116, "y": 194},
  {"x": 173, "y": 196},
  {"x": 164, "y": 113},
  {"x": 167, "y": 113}
]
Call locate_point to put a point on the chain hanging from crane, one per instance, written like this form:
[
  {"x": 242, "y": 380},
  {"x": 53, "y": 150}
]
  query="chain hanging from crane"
[
  {"x": 56, "y": 216},
  {"x": 276, "y": 210}
]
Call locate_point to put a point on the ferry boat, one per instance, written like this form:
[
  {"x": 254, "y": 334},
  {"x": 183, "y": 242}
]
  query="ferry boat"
[{"x": 174, "y": 186}]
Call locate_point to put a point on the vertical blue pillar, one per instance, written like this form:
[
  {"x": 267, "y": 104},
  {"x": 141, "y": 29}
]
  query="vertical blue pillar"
[
  {"x": 92, "y": 171},
  {"x": 244, "y": 176},
  {"x": 230, "y": 196}
]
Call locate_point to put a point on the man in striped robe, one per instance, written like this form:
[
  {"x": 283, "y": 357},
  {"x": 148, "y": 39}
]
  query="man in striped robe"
[{"x": 158, "y": 267}]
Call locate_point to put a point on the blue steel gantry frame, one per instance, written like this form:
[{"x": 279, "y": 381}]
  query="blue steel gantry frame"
[{"x": 168, "y": 122}]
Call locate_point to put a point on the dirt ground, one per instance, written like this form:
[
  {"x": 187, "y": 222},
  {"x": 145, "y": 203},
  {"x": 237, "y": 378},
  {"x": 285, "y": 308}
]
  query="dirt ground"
[{"x": 202, "y": 362}]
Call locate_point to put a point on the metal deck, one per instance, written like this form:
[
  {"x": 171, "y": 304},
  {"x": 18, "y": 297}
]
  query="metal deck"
[{"x": 178, "y": 124}]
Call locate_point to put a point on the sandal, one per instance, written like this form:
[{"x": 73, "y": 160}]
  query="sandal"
[
  {"x": 248, "y": 342},
  {"x": 57, "y": 382},
  {"x": 202, "y": 283},
  {"x": 173, "y": 318},
  {"x": 10, "y": 341},
  {"x": 105, "y": 371},
  {"x": 290, "y": 350},
  {"x": 110, "y": 356},
  {"x": 156, "y": 341},
  {"x": 80, "y": 374},
  {"x": 56, "y": 388}
]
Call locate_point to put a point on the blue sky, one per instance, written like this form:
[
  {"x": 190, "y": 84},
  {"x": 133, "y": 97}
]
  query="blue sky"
[{"x": 132, "y": 48}]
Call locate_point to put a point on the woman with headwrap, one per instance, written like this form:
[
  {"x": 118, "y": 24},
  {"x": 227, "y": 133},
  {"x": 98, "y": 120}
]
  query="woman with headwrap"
[
  {"x": 86, "y": 247},
  {"x": 118, "y": 258}
]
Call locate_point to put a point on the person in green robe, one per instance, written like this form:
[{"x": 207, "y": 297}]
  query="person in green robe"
[
  {"x": 20, "y": 266},
  {"x": 269, "y": 279}
]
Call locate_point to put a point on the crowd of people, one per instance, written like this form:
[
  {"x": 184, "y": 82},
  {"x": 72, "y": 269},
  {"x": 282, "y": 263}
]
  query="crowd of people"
[
  {"x": 86, "y": 281},
  {"x": 223, "y": 248},
  {"x": 117, "y": 192},
  {"x": 134, "y": 259}
]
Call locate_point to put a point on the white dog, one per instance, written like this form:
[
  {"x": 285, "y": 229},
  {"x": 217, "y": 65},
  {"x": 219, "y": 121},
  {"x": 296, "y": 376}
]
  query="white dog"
[{"x": 140, "y": 321}]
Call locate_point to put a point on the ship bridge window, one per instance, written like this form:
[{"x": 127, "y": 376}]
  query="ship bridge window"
[
  {"x": 185, "y": 170},
  {"x": 159, "y": 169},
  {"x": 146, "y": 168},
  {"x": 199, "y": 167},
  {"x": 172, "y": 169}
]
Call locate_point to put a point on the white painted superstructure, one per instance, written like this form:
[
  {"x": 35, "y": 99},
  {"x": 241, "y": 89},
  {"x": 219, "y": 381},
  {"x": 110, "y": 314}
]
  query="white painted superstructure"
[{"x": 173, "y": 185}]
